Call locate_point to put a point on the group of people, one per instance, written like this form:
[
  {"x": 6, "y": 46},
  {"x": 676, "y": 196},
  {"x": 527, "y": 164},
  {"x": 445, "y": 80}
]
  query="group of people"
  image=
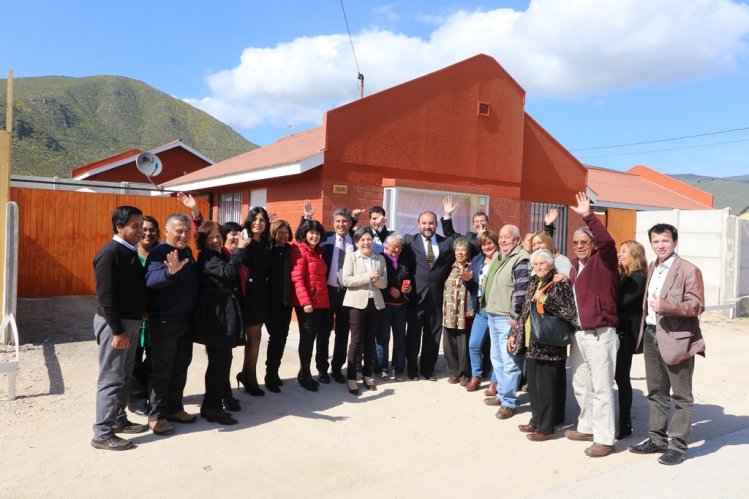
[{"x": 490, "y": 298}]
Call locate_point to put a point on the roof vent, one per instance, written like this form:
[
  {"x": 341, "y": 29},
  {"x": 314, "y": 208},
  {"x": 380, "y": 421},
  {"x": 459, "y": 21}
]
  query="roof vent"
[{"x": 483, "y": 109}]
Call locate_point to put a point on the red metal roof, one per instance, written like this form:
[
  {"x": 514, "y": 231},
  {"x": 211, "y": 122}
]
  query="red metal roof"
[
  {"x": 80, "y": 170},
  {"x": 289, "y": 149},
  {"x": 630, "y": 189}
]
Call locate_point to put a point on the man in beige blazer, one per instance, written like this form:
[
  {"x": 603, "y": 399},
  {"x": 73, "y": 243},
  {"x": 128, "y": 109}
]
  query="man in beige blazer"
[{"x": 670, "y": 335}]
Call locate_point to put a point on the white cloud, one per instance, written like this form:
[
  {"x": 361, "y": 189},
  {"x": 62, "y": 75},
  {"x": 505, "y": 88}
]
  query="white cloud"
[{"x": 554, "y": 48}]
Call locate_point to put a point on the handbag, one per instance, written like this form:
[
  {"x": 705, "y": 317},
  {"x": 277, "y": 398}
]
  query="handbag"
[{"x": 549, "y": 329}]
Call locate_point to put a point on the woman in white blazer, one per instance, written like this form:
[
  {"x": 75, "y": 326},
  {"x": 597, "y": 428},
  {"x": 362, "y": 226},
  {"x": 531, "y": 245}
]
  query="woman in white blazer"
[{"x": 364, "y": 276}]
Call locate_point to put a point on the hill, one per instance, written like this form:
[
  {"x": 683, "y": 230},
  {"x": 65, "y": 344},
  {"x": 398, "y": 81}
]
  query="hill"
[
  {"x": 62, "y": 122},
  {"x": 731, "y": 192}
]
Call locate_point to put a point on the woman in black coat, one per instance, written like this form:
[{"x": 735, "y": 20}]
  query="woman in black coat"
[
  {"x": 217, "y": 319},
  {"x": 632, "y": 268}
]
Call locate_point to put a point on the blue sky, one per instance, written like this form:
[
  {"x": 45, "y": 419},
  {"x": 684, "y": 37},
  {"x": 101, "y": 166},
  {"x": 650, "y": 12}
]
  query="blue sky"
[{"x": 597, "y": 73}]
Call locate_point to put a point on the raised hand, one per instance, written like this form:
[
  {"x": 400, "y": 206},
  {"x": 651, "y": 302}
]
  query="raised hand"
[
  {"x": 356, "y": 213},
  {"x": 583, "y": 204},
  {"x": 272, "y": 216},
  {"x": 243, "y": 242},
  {"x": 190, "y": 203},
  {"x": 551, "y": 216},
  {"x": 173, "y": 263},
  {"x": 309, "y": 210},
  {"x": 448, "y": 206}
]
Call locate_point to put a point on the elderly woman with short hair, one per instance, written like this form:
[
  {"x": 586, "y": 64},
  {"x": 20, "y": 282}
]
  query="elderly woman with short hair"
[
  {"x": 394, "y": 316},
  {"x": 544, "y": 363},
  {"x": 457, "y": 314}
]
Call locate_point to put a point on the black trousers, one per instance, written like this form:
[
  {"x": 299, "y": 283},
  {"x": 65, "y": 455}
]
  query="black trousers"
[
  {"x": 278, "y": 331},
  {"x": 138, "y": 389},
  {"x": 309, "y": 328},
  {"x": 363, "y": 333},
  {"x": 424, "y": 333},
  {"x": 623, "y": 381},
  {"x": 217, "y": 375},
  {"x": 171, "y": 354},
  {"x": 544, "y": 393},
  {"x": 455, "y": 348},
  {"x": 337, "y": 316}
]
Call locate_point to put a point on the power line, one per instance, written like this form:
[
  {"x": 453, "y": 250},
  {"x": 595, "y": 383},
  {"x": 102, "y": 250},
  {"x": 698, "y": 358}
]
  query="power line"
[
  {"x": 664, "y": 150},
  {"x": 662, "y": 140},
  {"x": 359, "y": 76}
]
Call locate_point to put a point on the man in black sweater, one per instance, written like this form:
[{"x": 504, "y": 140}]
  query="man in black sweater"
[
  {"x": 172, "y": 280},
  {"x": 121, "y": 305}
]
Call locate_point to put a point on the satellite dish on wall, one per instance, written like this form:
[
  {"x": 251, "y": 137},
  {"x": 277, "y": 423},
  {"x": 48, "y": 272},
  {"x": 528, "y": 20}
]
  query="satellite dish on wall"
[{"x": 148, "y": 164}]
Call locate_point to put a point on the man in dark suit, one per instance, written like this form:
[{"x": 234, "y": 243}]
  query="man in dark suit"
[
  {"x": 378, "y": 221},
  {"x": 670, "y": 335},
  {"x": 479, "y": 221},
  {"x": 430, "y": 257}
]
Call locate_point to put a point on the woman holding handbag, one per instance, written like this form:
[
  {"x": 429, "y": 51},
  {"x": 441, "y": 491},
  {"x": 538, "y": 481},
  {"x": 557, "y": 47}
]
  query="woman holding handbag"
[{"x": 545, "y": 363}]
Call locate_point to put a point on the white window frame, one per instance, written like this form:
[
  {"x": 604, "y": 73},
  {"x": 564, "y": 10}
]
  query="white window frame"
[{"x": 406, "y": 222}]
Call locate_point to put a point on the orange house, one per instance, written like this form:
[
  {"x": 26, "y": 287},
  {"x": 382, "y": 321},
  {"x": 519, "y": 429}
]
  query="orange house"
[
  {"x": 461, "y": 130},
  {"x": 177, "y": 159}
]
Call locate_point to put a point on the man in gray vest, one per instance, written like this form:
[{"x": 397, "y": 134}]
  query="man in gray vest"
[{"x": 504, "y": 294}]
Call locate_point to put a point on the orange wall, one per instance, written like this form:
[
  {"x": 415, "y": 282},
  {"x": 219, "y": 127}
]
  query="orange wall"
[
  {"x": 56, "y": 253},
  {"x": 176, "y": 162},
  {"x": 550, "y": 173},
  {"x": 430, "y": 126}
]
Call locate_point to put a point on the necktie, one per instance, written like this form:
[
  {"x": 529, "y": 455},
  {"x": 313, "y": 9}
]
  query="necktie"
[
  {"x": 430, "y": 254},
  {"x": 341, "y": 250}
]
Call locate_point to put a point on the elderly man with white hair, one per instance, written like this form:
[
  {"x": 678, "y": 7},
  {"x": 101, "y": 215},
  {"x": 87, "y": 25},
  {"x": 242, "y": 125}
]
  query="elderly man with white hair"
[
  {"x": 504, "y": 294},
  {"x": 594, "y": 279}
]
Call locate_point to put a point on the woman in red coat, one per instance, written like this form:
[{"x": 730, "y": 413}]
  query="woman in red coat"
[{"x": 310, "y": 298}]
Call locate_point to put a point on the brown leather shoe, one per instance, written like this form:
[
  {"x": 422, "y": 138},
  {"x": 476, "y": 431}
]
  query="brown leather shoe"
[
  {"x": 492, "y": 401},
  {"x": 452, "y": 380},
  {"x": 474, "y": 384},
  {"x": 182, "y": 417},
  {"x": 578, "y": 437},
  {"x": 505, "y": 412},
  {"x": 463, "y": 382},
  {"x": 539, "y": 437},
  {"x": 492, "y": 390},
  {"x": 526, "y": 428},
  {"x": 161, "y": 427},
  {"x": 599, "y": 450}
]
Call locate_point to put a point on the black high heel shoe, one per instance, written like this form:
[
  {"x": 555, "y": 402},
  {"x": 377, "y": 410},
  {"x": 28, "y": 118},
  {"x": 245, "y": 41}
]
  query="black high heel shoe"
[
  {"x": 254, "y": 391},
  {"x": 625, "y": 430},
  {"x": 355, "y": 389}
]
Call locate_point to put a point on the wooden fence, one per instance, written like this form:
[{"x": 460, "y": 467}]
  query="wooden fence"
[{"x": 61, "y": 231}]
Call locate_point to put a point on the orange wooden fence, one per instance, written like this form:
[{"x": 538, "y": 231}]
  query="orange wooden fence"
[{"x": 60, "y": 232}]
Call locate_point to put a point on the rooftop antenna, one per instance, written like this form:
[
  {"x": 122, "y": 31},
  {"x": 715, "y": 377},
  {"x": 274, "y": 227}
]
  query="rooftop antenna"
[
  {"x": 360, "y": 76},
  {"x": 149, "y": 165}
]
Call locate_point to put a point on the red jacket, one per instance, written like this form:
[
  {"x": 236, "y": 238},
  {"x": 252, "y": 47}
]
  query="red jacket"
[
  {"x": 596, "y": 286},
  {"x": 309, "y": 276}
]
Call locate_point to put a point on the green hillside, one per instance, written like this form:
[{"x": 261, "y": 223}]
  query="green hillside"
[
  {"x": 731, "y": 192},
  {"x": 60, "y": 123}
]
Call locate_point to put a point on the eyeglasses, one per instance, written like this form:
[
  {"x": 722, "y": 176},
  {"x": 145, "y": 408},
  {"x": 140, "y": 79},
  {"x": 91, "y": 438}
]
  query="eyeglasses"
[{"x": 581, "y": 243}]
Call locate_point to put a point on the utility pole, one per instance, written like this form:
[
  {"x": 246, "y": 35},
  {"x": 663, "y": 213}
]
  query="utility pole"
[{"x": 6, "y": 137}]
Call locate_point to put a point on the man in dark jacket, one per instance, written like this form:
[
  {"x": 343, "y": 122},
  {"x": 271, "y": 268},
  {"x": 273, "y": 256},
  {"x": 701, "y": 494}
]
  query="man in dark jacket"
[
  {"x": 172, "y": 280},
  {"x": 594, "y": 279},
  {"x": 431, "y": 257},
  {"x": 120, "y": 307}
]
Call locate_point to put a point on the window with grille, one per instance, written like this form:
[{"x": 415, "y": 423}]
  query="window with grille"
[
  {"x": 539, "y": 211},
  {"x": 230, "y": 208}
]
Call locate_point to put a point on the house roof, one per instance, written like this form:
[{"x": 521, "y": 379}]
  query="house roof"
[
  {"x": 632, "y": 190},
  {"x": 288, "y": 155},
  {"x": 85, "y": 171}
]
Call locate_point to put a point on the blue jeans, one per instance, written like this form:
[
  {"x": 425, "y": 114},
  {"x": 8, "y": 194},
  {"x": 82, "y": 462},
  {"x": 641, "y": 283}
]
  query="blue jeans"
[
  {"x": 395, "y": 317},
  {"x": 479, "y": 332},
  {"x": 507, "y": 368}
]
